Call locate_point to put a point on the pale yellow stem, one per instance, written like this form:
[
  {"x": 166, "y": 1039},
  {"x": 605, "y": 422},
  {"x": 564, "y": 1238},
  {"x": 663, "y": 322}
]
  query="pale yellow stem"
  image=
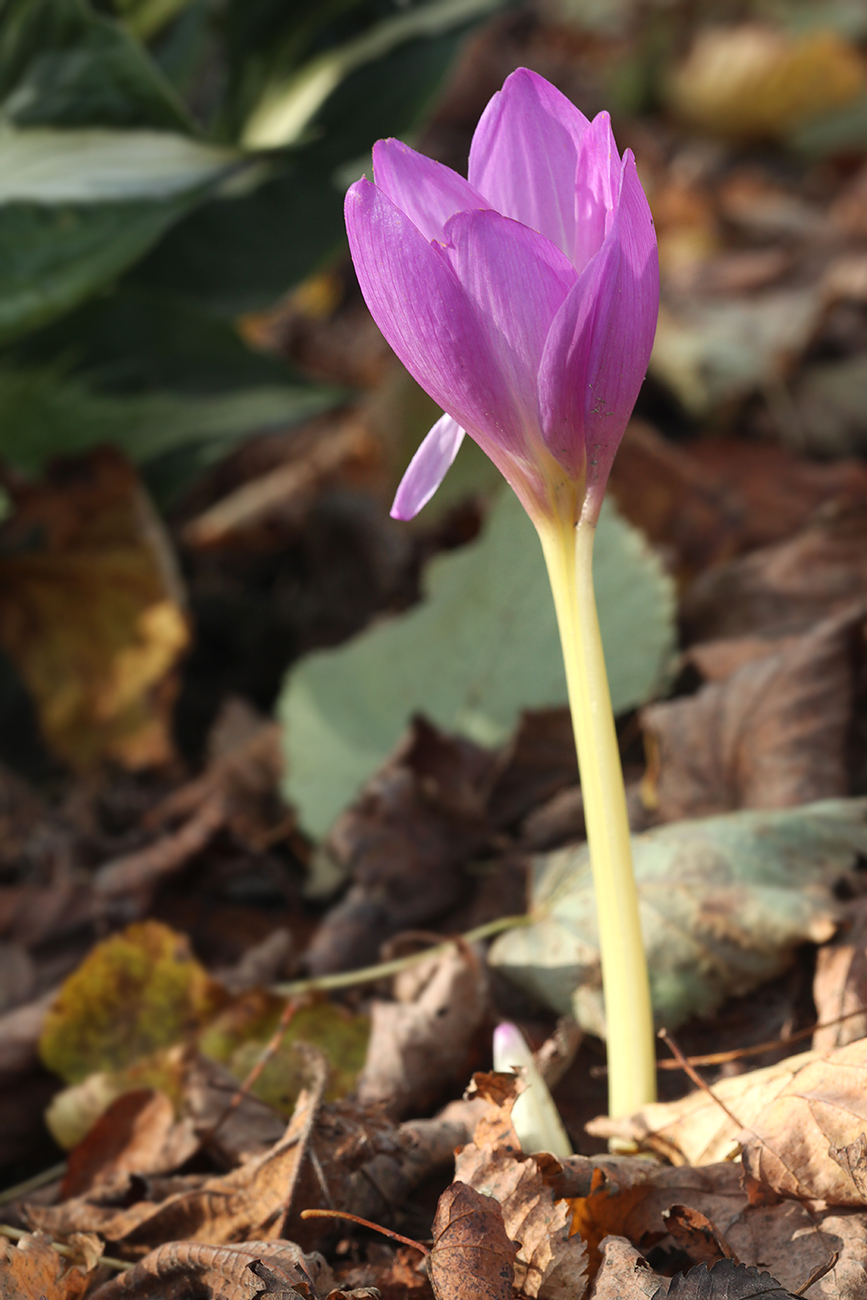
[{"x": 628, "y": 1014}]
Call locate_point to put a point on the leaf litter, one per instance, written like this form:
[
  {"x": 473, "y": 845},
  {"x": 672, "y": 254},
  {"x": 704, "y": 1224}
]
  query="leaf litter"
[{"x": 148, "y": 909}]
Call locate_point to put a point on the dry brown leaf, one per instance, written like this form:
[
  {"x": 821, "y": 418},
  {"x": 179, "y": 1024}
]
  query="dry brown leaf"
[
  {"x": 249, "y": 1202},
  {"x": 624, "y": 1273},
  {"x": 786, "y": 588},
  {"x": 823, "y": 1106},
  {"x": 840, "y": 982},
  {"x": 771, "y": 735},
  {"x": 31, "y": 1270},
  {"x": 406, "y": 842},
  {"x": 137, "y": 1134},
  {"x": 694, "y": 1233},
  {"x": 92, "y": 611},
  {"x": 472, "y": 1258},
  {"x": 418, "y": 1047},
  {"x": 194, "y": 1271},
  {"x": 549, "y": 1264}
]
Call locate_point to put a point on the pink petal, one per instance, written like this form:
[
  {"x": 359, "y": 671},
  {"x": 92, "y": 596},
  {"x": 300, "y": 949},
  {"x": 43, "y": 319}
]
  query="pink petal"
[
  {"x": 597, "y": 189},
  {"x": 428, "y": 468},
  {"x": 424, "y": 313},
  {"x": 524, "y": 156},
  {"x": 518, "y": 280},
  {"x": 599, "y": 345},
  {"x": 426, "y": 191}
]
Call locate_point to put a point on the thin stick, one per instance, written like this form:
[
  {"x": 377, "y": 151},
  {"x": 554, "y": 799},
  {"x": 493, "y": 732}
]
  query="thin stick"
[
  {"x": 696, "y": 1077},
  {"x": 268, "y": 1051},
  {"x": 758, "y": 1049},
  {"x": 365, "y": 1223},
  {"x": 32, "y": 1184},
  {"x": 568, "y": 554},
  {"x": 16, "y": 1234},
  {"x": 370, "y": 974}
]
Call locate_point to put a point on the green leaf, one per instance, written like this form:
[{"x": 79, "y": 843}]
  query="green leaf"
[
  {"x": 724, "y": 903},
  {"x": 481, "y": 648},
  {"x": 97, "y": 165},
  {"x": 42, "y": 415},
  {"x": 61, "y": 64}
]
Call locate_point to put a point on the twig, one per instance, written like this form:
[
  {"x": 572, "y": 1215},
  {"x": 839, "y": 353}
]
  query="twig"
[
  {"x": 32, "y": 1184},
  {"x": 758, "y": 1049},
  {"x": 696, "y": 1077},
  {"x": 244, "y": 1088},
  {"x": 365, "y": 1223},
  {"x": 370, "y": 974},
  {"x": 16, "y": 1234}
]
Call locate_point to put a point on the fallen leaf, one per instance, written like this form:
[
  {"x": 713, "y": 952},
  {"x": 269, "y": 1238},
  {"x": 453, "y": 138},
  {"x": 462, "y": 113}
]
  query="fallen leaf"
[
  {"x": 773, "y": 734},
  {"x": 185, "y": 1269},
  {"x": 137, "y": 1134},
  {"x": 418, "y": 1047},
  {"x": 823, "y": 1106},
  {"x": 840, "y": 982},
  {"x": 405, "y": 844},
  {"x": 92, "y": 611},
  {"x": 134, "y": 993},
  {"x": 250, "y": 1202},
  {"x": 33, "y": 1271},
  {"x": 471, "y": 1258},
  {"x": 724, "y": 903},
  {"x": 458, "y": 660},
  {"x": 624, "y": 1273},
  {"x": 694, "y": 1233},
  {"x": 549, "y": 1263},
  {"x": 724, "y": 1280},
  {"x": 786, "y": 588}
]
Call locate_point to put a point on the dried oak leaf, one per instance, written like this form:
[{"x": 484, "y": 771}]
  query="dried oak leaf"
[
  {"x": 724, "y": 1280},
  {"x": 472, "y": 1258},
  {"x": 33, "y": 1271},
  {"x": 771, "y": 735},
  {"x": 183, "y": 1270},
  {"x": 695, "y": 1234},
  {"x": 785, "y": 588},
  {"x": 549, "y": 1264},
  {"x": 421, "y": 1045},
  {"x": 92, "y": 611}
]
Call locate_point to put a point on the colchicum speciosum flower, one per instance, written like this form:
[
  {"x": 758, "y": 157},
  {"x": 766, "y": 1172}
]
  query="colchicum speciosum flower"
[{"x": 524, "y": 300}]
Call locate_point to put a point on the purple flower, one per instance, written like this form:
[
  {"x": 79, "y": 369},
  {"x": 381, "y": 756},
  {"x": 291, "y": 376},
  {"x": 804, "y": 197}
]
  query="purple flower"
[{"x": 524, "y": 300}]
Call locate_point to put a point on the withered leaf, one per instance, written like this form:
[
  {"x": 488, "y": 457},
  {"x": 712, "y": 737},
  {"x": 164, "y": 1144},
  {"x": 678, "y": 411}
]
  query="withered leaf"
[
  {"x": 418, "y": 1047},
  {"x": 137, "y": 1134},
  {"x": 852, "y": 1159},
  {"x": 771, "y": 735},
  {"x": 694, "y": 1233},
  {"x": 624, "y": 1273},
  {"x": 32, "y": 1269},
  {"x": 725, "y": 1280},
  {"x": 195, "y": 1271},
  {"x": 549, "y": 1264},
  {"x": 840, "y": 982},
  {"x": 92, "y": 611},
  {"x": 472, "y": 1258}
]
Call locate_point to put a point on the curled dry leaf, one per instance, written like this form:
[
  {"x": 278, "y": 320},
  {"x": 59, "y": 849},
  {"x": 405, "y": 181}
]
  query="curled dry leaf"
[
  {"x": 192, "y": 1269},
  {"x": 417, "y": 1048},
  {"x": 785, "y": 588},
  {"x": 694, "y": 1233},
  {"x": 624, "y": 1273},
  {"x": 840, "y": 982},
  {"x": 137, "y": 1134},
  {"x": 771, "y": 735},
  {"x": 822, "y": 1107},
  {"x": 471, "y": 1258},
  {"x": 92, "y": 611},
  {"x": 32, "y": 1269},
  {"x": 549, "y": 1264}
]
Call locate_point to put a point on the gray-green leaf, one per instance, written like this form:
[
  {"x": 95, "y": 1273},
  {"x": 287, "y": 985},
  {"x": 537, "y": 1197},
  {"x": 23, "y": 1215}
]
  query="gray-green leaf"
[
  {"x": 724, "y": 902},
  {"x": 481, "y": 648}
]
